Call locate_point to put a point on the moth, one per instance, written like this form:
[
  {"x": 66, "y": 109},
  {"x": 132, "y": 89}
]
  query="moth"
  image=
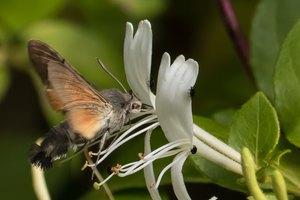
[{"x": 89, "y": 113}]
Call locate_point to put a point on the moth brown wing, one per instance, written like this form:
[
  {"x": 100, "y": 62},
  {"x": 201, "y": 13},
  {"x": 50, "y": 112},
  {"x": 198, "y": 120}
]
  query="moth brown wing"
[
  {"x": 68, "y": 91},
  {"x": 88, "y": 121},
  {"x": 72, "y": 89},
  {"x": 86, "y": 110},
  {"x": 41, "y": 55}
]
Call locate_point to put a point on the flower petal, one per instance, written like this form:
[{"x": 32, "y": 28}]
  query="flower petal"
[
  {"x": 149, "y": 172},
  {"x": 173, "y": 101},
  {"x": 137, "y": 60},
  {"x": 177, "y": 177}
]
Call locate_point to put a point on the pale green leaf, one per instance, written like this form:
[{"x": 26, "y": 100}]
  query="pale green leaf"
[
  {"x": 272, "y": 21},
  {"x": 287, "y": 86},
  {"x": 256, "y": 127}
]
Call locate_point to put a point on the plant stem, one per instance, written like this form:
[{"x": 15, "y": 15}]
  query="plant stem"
[
  {"x": 97, "y": 173},
  {"x": 237, "y": 36}
]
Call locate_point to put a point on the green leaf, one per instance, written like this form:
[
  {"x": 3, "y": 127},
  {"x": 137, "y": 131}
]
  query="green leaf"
[
  {"x": 289, "y": 168},
  {"x": 256, "y": 127},
  {"x": 218, "y": 175},
  {"x": 224, "y": 117},
  {"x": 191, "y": 172},
  {"x": 16, "y": 14},
  {"x": 212, "y": 127},
  {"x": 272, "y": 21},
  {"x": 277, "y": 156},
  {"x": 287, "y": 86}
]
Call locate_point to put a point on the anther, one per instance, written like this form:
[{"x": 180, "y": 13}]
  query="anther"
[
  {"x": 116, "y": 169},
  {"x": 90, "y": 153},
  {"x": 141, "y": 155}
]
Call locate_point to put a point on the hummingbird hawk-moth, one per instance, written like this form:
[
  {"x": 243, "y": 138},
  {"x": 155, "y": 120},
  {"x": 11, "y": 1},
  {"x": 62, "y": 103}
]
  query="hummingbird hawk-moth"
[{"x": 89, "y": 113}]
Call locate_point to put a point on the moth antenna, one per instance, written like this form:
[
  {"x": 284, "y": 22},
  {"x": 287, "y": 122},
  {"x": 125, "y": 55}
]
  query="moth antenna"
[{"x": 110, "y": 74}]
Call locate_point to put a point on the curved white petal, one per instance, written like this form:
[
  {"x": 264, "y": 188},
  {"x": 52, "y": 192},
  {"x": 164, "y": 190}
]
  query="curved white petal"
[
  {"x": 173, "y": 101},
  {"x": 177, "y": 177},
  {"x": 137, "y": 60},
  {"x": 149, "y": 172}
]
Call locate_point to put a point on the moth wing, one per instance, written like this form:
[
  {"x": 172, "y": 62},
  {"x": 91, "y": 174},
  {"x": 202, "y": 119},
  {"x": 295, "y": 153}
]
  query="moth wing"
[
  {"x": 68, "y": 91},
  {"x": 87, "y": 121},
  {"x": 65, "y": 87},
  {"x": 71, "y": 89},
  {"x": 87, "y": 110}
]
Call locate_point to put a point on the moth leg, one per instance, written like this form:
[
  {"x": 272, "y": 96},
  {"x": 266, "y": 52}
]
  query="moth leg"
[
  {"x": 102, "y": 143},
  {"x": 101, "y": 147}
]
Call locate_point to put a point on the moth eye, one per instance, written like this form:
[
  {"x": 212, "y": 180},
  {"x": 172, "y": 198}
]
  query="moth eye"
[{"x": 135, "y": 106}]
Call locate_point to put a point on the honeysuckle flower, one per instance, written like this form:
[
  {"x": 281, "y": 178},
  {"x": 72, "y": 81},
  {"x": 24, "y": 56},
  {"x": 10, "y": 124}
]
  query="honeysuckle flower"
[
  {"x": 174, "y": 112},
  {"x": 137, "y": 61},
  {"x": 172, "y": 106},
  {"x": 170, "y": 109}
]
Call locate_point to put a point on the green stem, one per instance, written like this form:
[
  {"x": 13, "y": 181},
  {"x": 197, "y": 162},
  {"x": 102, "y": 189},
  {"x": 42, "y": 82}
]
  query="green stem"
[{"x": 97, "y": 173}]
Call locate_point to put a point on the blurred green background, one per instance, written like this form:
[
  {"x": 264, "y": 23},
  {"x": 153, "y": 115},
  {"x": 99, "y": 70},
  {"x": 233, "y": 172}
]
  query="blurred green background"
[{"x": 84, "y": 30}]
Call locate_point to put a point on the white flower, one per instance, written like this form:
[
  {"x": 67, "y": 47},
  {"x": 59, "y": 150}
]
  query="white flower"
[
  {"x": 171, "y": 109},
  {"x": 174, "y": 112},
  {"x": 137, "y": 60}
]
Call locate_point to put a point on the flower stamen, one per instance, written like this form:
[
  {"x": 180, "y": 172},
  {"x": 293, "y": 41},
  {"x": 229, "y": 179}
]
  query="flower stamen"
[
  {"x": 98, "y": 185},
  {"x": 167, "y": 150},
  {"x": 84, "y": 166},
  {"x": 123, "y": 139},
  {"x": 184, "y": 154}
]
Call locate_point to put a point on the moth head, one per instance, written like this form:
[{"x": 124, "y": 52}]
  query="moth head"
[{"x": 135, "y": 104}]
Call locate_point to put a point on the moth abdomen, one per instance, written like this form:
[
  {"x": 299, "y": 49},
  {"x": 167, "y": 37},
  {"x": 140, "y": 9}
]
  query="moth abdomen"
[
  {"x": 54, "y": 146},
  {"x": 39, "y": 158}
]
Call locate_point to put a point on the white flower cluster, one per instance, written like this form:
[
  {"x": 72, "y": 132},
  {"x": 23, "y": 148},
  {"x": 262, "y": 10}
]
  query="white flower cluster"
[{"x": 171, "y": 110}]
